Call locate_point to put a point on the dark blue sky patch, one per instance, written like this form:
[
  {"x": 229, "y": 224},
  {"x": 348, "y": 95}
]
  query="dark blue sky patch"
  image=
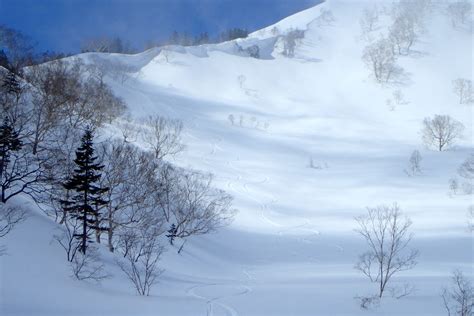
[{"x": 61, "y": 25}]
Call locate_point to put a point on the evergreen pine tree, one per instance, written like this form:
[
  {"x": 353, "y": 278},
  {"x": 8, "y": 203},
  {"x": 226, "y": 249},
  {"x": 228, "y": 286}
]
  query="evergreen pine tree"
[
  {"x": 10, "y": 84},
  {"x": 4, "y": 59},
  {"x": 9, "y": 142},
  {"x": 85, "y": 201},
  {"x": 172, "y": 233}
]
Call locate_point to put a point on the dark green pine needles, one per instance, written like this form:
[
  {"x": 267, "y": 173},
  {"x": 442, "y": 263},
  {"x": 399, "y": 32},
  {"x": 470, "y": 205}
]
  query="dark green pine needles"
[{"x": 85, "y": 195}]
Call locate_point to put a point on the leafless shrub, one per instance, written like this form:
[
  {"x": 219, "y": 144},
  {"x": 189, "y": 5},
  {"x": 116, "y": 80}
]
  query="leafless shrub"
[
  {"x": 414, "y": 164},
  {"x": 231, "y": 119},
  {"x": 387, "y": 235},
  {"x": 401, "y": 291},
  {"x": 10, "y": 216},
  {"x": 88, "y": 266},
  {"x": 142, "y": 252},
  {"x": 463, "y": 89},
  {"x": 162, "y": 136},
  {"x": 317, "y": 165},
  {"x": 459, "y": 298},
  {"x": 441, "y": 131},
  {"x": 106, "y": 45},
  {"x": 399, "y": 98},
  {"x": 453, "y": 186},
  {"x": 67, "y": 238},
  {"x": 368, "y": 302},
  {"x": 129, "y": 129}
]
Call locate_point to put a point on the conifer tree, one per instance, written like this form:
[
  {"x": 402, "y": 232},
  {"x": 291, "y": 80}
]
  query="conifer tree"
[
  {"x": 9, "y": 143},
  {"x": 10, "y": 84},
  {"x": 4, "y": 59},
  {"x": 85, "y": 195}
]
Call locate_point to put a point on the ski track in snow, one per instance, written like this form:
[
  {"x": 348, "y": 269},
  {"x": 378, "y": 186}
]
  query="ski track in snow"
[
  {"x": 213, "y": 302},
  {"x": 264, "y": 207}
]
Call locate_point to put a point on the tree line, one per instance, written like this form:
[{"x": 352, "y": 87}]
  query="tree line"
[{"x": 56, "y": 150}]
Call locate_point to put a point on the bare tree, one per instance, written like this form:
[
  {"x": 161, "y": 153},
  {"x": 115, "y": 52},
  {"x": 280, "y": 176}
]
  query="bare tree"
[
  {"x": 441, "y": 131},
  {"x": 10, "y": 216},
  {"x": 87, "y": 266},
  {"x": 131, "y": 176},
  {"x": 20, "y": 173},
  {"x": 290, "y": 41},
  {"x": 399, "y": 98},
  {"x": 460, "y": 12},
  {"x": 128, "y": 128},
  {"x": 379, "y": 57},
  {"x": 403, "y": 34},
  {"x": 414, "y": 164},
  {"x": 19, "y": 48},
  {"x": 200, "y": 209},
  {"x": 453, "y": 186},
  {"x": 466, "y": 171},
  {"x": 141, "y": 254},
  {"x": 68, "y": 94},
  {"x": 162, "y": 136},
  {"x": 168, "y": 191},
  {"x": 459, "y": 298},
  {"x": 463, "y": 89},
  {"x": 368, "y": 21},
  {"x": 387, "y": 236},
  {"x": 66, "y": 238}
]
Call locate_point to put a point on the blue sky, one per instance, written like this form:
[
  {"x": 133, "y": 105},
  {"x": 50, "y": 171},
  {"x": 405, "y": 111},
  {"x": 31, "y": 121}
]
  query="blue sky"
[{"x": 61, "y": 25}]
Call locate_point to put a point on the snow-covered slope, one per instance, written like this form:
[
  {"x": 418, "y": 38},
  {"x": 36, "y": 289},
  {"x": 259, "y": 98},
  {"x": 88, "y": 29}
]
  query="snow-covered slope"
[{"x": 292, "y": 248}]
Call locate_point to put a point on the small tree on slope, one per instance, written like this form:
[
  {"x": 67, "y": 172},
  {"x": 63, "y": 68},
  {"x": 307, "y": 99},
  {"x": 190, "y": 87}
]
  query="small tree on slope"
[
  {"x": 85, "y": 201},
  {"x": 9, "y": 142}
]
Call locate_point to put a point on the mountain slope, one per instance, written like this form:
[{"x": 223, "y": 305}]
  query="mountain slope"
[{"x": 292, "y": 248}]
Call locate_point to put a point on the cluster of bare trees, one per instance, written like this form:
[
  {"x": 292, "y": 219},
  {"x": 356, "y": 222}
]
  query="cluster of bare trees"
[
  {"x": 106, "y": 44},
  {"x": 290, "y": 40},
  {"x": 460, "y": 13},
  {"x": 383, "y": 50},
  {"x": 458, "y": 299},
  {"x": 251, "y": 122},
  {"x": 148, "y": 197},
  {"x": 145, "y": 202},
  {"x": 42, "y": 109}
]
